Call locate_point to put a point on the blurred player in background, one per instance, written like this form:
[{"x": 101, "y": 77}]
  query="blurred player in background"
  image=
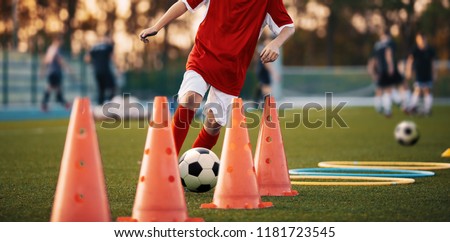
[
  {"x": 420, "y": 60},
  {"x": 401, "y": 93},
  {"x": 266, "y": 73},
  {"x": 53, "y": 66},
  {"x": 101, "y": 57},
  {"x": 382, "y": 67},
  {"x": 223, "y": 49}
]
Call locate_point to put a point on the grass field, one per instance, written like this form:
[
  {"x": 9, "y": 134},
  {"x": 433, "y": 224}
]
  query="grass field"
[{"x": 31, "y": 151}]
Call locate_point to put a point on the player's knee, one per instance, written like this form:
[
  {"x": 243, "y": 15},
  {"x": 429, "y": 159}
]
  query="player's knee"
[
  {"x": 191, "y": 100},
  {"x": 211, "y": 125}
]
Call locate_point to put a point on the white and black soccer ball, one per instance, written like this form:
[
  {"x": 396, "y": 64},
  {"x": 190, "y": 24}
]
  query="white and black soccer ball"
[
  {"x": 406, "y": 133},
  {"x": 199, "y": 168}
]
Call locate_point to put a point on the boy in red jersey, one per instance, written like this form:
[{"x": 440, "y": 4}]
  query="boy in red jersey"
[{"x": 225, "y": 42}]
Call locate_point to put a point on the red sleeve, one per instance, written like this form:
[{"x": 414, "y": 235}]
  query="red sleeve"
[
  {"x": 193, "y": 4},
  {"x": 278, "y": 14}
]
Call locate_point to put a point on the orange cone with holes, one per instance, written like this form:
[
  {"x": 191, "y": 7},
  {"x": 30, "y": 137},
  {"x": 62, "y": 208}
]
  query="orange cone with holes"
[
  {"x": 81, "y": 191},
  {"x": 160, "y": 195},
  {"x": 237, "y": 187},
  {"x": 270, "y": 160},
  {"x": 446, "y": 153}
]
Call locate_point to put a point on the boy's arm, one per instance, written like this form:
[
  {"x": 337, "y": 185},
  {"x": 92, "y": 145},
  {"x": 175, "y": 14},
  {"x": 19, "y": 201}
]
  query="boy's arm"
[
  {"x": 177, "y": 9},
  {"x": 87, "y": 57},
  {"x": 434, "y": 71},
  {"x": 271, "y": 52},
  {"x": 371, "y": 68},
  {"x": 65, "y": 65},
  {"x": 409, "y": 67},
  {"x": 434, "y": 68},
  {"x": 390, "y": 61}
]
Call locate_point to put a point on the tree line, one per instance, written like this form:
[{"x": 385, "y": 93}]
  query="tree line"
[{"x": 329, "y": 32}]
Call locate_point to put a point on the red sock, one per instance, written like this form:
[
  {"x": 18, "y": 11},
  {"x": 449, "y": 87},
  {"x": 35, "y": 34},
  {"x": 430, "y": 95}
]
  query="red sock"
[
  {"x": 205, "y": 140},
  {"x": 180, "y": 125}
]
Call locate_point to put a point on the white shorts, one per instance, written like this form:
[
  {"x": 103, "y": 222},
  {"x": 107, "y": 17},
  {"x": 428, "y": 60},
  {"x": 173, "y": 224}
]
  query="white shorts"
[{"x": 218, "y": 102}]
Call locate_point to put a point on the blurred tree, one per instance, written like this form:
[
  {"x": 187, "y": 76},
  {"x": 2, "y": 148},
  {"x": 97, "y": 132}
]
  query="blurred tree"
[
  {"x": 352, "y": 26},
  {"x": 329, "y": 32},
  {"x": 6, "y": 10},
  {"x": 340, "y": 12},
  {"x": 339, "y": 37},
  {"x": 400, "y": 17},
  {"x": 435, "y": 23},
  {"x": 71, "y": 10}
]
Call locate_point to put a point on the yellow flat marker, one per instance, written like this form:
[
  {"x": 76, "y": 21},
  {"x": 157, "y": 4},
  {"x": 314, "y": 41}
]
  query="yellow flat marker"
[
  {"x": 349, "y": 181},
  {"x": 446, "y": 153},
  {"x": 401, "y": 165}
]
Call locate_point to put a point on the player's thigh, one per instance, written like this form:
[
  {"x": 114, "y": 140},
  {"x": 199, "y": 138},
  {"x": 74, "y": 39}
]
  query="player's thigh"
[
  {"x": 192, "y": 90},
  {"x": 191, "y": 100},
  {"x": 219, "y": 103}
]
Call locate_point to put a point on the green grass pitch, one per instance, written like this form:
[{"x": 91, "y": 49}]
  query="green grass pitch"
[{"x": 31, "y": 151}]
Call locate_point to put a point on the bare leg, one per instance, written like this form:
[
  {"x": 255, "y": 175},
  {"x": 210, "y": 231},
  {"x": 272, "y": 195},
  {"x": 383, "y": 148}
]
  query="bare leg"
[
  {"x": 387, "y": 102},
  {"x": 46, "y": 98},
  {"x": 428, "y": 100},
  {"x": 183, "y": 117},
  {"x": 414, "y": 100},
  {"x": 60, "y": 97},
  {"x": 191, "y": 100},
  {"x": 377, "y": 100}
]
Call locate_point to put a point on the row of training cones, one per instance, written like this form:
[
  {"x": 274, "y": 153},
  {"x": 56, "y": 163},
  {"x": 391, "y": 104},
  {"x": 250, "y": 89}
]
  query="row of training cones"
[
  {"x": 81, "y": 191},
  {"x": 240, "y": 185}
]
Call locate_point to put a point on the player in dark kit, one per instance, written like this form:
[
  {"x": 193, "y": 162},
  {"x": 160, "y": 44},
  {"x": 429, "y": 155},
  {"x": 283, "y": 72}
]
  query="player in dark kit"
[
  {"x": 54, "y": 65},
  {"x": 383, "y": 69},
  {"x": 264, "y": 78},
  {"x": 101, "y": 58},
  {"x": 266, "y": 74},
  {"x": 421, "y": 61}
]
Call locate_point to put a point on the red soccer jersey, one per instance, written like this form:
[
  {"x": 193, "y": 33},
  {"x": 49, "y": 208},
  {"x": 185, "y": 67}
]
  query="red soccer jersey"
[{"x": 227, "y": 38}]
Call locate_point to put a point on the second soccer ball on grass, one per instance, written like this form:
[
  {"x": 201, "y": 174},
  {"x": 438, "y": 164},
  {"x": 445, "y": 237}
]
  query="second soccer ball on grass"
[{"x": 406, "y": 133}]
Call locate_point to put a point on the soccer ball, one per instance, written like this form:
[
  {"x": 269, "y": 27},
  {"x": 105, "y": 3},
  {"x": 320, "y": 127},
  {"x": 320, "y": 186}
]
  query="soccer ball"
[
  {"x": 406, "y": 133},
  {"x": 199, "y": 168}
]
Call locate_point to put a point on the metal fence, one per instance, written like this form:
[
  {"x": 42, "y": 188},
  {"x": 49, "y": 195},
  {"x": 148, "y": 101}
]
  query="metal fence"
[
  {"x": 23, "y": 83},
  {"x": 349, "y": 81}
]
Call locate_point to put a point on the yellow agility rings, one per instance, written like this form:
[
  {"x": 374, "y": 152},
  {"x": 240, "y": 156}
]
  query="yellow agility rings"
[
  {"x": 355, "y": 181},
  {"x": 403, "y": 165}
]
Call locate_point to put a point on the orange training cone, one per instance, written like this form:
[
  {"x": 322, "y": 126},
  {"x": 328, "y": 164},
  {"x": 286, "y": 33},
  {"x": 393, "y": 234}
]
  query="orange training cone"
[
  {"x": 81, "y": 191},
  {"x": 160, "y": 195},
  {"x": 237, "y": 187},
  {"x": 270, "y": 160},
  {"x": 446, "y": 153}
]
